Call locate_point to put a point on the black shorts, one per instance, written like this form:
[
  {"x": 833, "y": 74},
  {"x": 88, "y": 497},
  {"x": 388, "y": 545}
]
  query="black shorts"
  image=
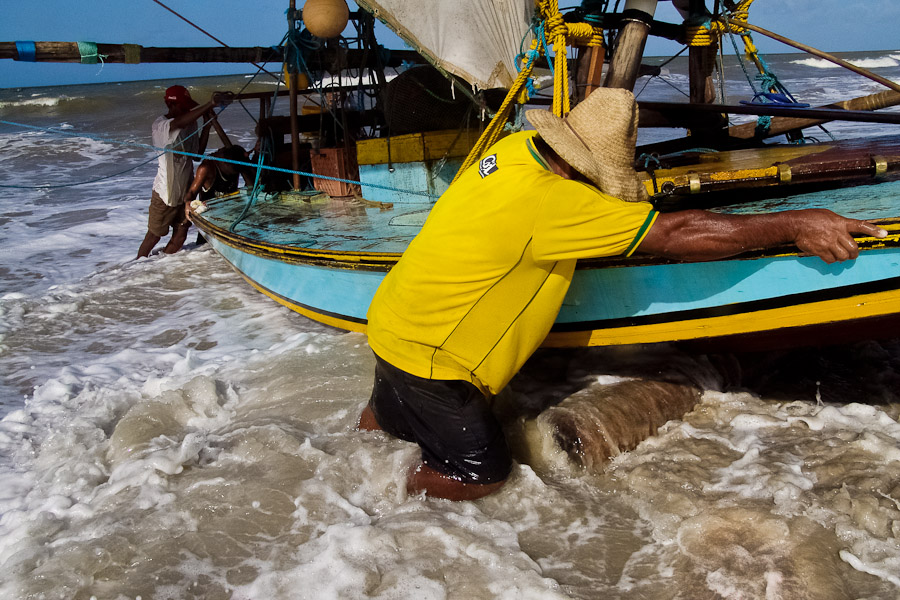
[{"x": 449, "y": 420}]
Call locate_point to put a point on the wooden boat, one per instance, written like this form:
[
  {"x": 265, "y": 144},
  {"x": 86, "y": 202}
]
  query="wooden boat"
[
  {"x": 325, "y": 256},
  {"x": 383, "y": 165}
]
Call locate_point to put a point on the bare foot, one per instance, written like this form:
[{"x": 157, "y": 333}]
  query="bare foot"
[
  {"x": 437, "y": 485},
  {"x": 367, "y": 421}
]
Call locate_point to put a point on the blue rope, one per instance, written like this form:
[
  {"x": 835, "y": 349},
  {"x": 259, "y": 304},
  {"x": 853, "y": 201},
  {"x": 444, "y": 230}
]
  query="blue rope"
[
  {"x": 66, "y": 185},
  {"x": 26, "y": 51},
  {"x": 89, "y": 181},
  {"x": 254, "y": 193},
  {"x": 206, "y": 157},
  {"x": 763, "y": 124}
]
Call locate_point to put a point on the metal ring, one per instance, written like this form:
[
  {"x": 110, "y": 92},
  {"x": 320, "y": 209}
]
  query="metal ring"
[
  {"x": 694, "y": 180},
  {"x": 784, "y": 173}
]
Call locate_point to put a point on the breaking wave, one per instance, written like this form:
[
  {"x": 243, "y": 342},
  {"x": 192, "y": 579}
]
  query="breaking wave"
[{"x": 890, "y": 60}]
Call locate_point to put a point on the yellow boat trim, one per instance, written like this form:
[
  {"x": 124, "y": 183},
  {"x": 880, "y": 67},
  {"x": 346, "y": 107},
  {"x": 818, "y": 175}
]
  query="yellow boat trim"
[
  {"x": 311, "y": 314},
  {"x": 816, "y": 313},
  {"x": 416, "y": 147}
]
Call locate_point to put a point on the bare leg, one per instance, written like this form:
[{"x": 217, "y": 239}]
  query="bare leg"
[
  {"x": 179, "y": 235},
  {"x": 437, "y": 485},
  {"x": 433, "y": 483},
  {"x": 367, "y": 420},
  {"x": 150, "y": 240}
]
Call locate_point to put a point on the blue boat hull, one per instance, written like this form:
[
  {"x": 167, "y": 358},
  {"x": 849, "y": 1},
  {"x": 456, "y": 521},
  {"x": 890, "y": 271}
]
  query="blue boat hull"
[{"x": 778, "y": 295}]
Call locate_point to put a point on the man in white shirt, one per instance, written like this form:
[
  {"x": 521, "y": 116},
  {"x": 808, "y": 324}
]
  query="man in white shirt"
[{"x": 176, "y": 130}]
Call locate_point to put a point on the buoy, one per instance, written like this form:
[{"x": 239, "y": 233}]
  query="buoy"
[{"x": 325, "y": 18}]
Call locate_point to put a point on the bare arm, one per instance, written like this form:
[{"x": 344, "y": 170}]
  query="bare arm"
[
  {"x": 218, "y": 99},
  {"x": 200, "y": 177},
  {"x": 182, "y": 121},
  {"x": 702, "y": 235},
  {"x": 208, "y": 117}
]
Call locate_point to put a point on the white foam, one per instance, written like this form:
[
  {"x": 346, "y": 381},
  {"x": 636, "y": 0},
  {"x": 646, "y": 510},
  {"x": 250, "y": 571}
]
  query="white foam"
[
  {"x": 865, "y": 63},
  {"x": 183, "y": 434},
  {"x": 48, "y": 101}
]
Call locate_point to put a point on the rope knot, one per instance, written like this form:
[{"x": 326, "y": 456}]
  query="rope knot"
[{"x": 556, "y": 26}]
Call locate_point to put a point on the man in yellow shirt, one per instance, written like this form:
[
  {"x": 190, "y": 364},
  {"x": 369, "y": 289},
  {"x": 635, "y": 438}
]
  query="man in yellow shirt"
[{"x": 479, "y": 288}]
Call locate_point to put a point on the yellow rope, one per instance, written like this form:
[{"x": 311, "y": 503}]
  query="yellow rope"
[
  {"x": 560, "y": 35},
  {"x": 708, "y": 34}
]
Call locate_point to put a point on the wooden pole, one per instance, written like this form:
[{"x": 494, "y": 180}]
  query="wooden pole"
[
  {"x": 781, "y": 125},
  {"x": 815, "y": 52},
  {"x": 679, "y": 113},
  {"x": 590, "y": 70},
  {"x": 67, "y": 52},
  {"x": 221, "y": 133},
  {"x": 626, "y": 62},
  {"x": 295, "y": 130},
  {"x": 701, "y": 67}
]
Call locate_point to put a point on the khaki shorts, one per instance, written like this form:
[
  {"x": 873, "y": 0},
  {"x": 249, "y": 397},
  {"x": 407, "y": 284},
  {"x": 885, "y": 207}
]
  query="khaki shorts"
[{"x": 163, "y": 216}]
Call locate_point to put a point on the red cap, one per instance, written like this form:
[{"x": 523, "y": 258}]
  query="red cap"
[{"x": 178, "y": 94}]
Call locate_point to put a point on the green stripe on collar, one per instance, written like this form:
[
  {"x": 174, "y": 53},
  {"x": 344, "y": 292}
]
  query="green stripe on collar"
[{"x": 537, "y": 155}]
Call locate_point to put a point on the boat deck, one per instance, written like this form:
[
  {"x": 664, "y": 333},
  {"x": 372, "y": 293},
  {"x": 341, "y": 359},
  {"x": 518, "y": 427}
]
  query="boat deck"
[
  {"x": 350, "y": 226},
  {"x": 341, "y": 224}
]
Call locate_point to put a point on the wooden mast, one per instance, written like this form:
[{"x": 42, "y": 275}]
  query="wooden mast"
[
  {"x": 295, "y": 129},
  {"x": 626, "y": 61}
]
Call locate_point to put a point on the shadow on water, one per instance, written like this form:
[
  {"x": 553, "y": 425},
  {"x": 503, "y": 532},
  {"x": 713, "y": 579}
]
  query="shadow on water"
[
  {"x": 865, "y": 372},
  {"x": 582, "y": 407}
]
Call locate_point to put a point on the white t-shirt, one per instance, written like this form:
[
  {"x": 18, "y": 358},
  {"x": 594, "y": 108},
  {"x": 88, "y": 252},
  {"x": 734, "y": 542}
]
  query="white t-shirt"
[{"x": 175, "y": 172}]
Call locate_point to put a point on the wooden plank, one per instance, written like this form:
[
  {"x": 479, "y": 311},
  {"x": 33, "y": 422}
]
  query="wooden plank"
[
  {"x": 780, "y": 165},
  {"x": 683, "y": 112},
  {"x": 451, "y": 143},
  {"x": 67, "y": 52},
  {"x": 781, "y": 125},
  {"x": 399, "y": 149}
]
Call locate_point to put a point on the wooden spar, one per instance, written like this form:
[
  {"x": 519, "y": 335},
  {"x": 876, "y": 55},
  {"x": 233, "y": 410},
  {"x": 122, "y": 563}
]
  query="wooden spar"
[
  {"x": 682, "y": 111},
  {"x": 67, "y": 52},
  {"x": 626, "y": 62},
  {"x": 295, "y": 130},
  {"x": 781, "y": 125},
  {"x": 815, "y": 52}
]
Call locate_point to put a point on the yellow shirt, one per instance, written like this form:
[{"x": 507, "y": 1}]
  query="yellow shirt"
[{"x": 477, "y": 291}]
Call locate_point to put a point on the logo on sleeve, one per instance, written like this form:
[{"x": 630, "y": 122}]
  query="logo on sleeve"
[{"x": 487, "y": 165}]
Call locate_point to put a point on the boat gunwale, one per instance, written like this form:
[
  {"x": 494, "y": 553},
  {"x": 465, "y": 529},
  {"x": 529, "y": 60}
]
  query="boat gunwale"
[{"x": 383, "y": 261}]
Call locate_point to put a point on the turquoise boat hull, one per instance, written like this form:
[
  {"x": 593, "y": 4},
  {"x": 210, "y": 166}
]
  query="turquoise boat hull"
[{"x": 325, "y": 258}]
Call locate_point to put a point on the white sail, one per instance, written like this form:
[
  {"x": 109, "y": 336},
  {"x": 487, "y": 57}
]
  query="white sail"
[{"x": 476, "y": 40}]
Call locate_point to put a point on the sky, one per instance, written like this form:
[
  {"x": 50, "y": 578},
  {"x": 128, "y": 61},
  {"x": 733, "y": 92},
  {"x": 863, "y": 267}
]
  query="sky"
[{"x": 829, "y": 25}]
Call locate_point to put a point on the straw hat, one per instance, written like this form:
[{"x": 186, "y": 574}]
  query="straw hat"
[{"x": 598, "y": 138}]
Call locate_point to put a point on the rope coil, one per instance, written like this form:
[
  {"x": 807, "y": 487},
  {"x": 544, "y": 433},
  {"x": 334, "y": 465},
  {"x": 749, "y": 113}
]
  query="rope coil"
[
  {"x": 89, "y": 53},
  {"x": 26, "y": 51},
  {"x": 709, "y": 32}
]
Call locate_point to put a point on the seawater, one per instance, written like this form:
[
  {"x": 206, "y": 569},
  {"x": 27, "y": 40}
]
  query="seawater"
[{"x": 168, "y": 432}]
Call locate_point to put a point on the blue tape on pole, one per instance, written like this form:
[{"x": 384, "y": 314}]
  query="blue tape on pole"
[{"x": 26, "y": 51}]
